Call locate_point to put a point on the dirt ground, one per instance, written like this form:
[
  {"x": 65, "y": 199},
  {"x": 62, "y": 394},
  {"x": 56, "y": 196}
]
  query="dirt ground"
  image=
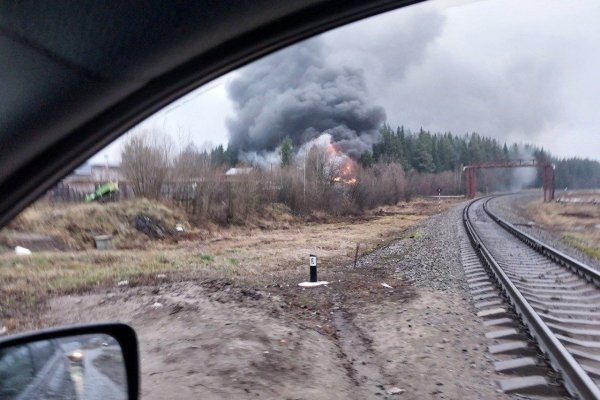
[
  {"x": 353, "y": 339},
  {"x": 249, "y": 256},
  {"x": 244, "y": 329},
  {"x": 235, "y": 346}
]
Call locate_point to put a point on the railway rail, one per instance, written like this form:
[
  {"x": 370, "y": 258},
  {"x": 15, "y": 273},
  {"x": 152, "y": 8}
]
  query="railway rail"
[{"x": 556, "y": 297}]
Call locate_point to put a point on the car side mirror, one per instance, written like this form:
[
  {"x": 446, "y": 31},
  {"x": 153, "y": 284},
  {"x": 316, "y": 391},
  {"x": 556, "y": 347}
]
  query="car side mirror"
[{"x": 76, "y": 362}]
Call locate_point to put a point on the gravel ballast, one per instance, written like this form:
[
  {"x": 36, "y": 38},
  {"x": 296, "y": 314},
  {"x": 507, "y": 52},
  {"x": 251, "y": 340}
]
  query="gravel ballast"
[
  {"x": 513, "y": 208},
  {"x": 435, "y": 344}
]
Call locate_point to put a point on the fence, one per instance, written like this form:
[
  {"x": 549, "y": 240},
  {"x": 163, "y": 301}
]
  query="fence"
[
  {"x": 66, "y": 193},
  {"x": 62, "y": 193}
]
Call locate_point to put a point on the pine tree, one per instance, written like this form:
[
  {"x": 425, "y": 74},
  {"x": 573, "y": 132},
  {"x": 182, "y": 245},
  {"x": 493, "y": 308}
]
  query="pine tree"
[
  {"x": 217, "y": 156},
  {"x": 286, "y": 152},
  {"x": 366, "y": 159},
  {"x": 423, "y": 161}
]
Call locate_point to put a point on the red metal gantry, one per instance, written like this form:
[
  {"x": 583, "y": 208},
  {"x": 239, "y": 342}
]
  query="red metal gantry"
[{"x": 548, "y": 175}]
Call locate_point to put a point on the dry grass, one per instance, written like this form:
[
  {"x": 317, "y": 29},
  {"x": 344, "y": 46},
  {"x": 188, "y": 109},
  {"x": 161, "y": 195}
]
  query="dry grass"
[
  {"x": 578, "y": 224},
  {"x": 75, "y": 225},
  {"x": 248, "y": 256},
  {"x": 585, "y": 243}
]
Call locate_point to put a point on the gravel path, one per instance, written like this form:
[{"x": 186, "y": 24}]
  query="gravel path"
[
  {"x": 428, "y": 256},
  {"x": 513, "y": 209},
  {"x": 435, "y": 346}
]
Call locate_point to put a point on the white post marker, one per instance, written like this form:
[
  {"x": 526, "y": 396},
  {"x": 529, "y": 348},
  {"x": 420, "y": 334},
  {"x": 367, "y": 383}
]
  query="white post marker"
[{"x": 312, "y": 263}]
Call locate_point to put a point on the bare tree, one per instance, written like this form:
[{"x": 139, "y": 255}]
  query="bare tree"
[
  {"x": 145, "y": 162},
  {"x": 190, "y": 163},
  {"x": 315, "y": 163}
]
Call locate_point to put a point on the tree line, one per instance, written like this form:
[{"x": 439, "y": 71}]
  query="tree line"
[
  {"x": 426, "y": 152},
  {"x": 401, "y": 165}
]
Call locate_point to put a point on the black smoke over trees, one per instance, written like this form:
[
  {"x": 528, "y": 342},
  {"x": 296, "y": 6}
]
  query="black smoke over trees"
[{"x": 296, "y": 93}]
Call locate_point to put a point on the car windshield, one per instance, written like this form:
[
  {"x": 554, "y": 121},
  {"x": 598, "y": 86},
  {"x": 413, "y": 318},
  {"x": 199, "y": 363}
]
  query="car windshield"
[{"x": 391, "y": 209}]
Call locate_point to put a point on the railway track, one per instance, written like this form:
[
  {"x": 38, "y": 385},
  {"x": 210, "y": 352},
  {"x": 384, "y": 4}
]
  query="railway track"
[{"x": 556, "y": 297}]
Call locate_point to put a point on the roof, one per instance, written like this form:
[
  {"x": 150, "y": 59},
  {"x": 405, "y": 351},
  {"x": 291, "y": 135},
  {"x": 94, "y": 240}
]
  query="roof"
[{"x": 238, "y": 171}]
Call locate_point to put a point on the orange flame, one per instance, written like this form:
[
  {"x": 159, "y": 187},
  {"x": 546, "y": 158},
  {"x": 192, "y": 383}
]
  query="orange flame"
[{"x": 346, "y": 173}]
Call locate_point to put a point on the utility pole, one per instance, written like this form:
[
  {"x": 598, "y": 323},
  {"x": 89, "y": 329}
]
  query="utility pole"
[{"x": 304, "y": 180}]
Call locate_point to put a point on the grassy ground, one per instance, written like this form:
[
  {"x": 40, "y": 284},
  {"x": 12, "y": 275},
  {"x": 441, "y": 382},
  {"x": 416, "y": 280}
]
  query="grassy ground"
[
  {"x": 250, "y": 256},
  {"x": 577, "y": 223},
  {"x": 75, "y": 225}
]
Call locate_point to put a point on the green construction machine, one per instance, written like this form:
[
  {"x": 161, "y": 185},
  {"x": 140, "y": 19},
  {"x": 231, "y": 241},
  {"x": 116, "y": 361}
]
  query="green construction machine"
[{"x": 103, "y": 192}]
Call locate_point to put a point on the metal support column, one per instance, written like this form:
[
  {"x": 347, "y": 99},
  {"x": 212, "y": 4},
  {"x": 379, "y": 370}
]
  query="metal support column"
[
  {"x": 548, "y": 182},
  {"x": 471, "y": 183}
]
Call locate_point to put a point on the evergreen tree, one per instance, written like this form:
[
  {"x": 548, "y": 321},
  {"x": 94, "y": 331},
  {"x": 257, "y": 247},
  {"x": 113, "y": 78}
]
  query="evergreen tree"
[
  {"x": 286, "y": 152},
  {"x": 231, "y": 155},
  {"x": 423, "y": 161},
  {"x": 217, "y": 156},
  {"x": 366, "y": 159}
]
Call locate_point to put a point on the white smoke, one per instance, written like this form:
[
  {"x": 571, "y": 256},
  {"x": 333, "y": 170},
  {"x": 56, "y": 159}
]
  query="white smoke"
[
  {"x": 523, "y": 177},
  {"x": 261, "y": 159},
  {"x": 269, "y": 159}
]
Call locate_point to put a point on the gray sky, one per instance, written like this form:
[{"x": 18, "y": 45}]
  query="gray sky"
[{"x": 519, "y": 71}]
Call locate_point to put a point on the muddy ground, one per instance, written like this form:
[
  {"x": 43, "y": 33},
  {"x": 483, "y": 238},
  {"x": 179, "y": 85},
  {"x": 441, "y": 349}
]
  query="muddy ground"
[{"x": 351, "y": 339}]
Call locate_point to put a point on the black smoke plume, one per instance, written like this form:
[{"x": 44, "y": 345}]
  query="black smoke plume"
[{"x": 295, "y": 93}]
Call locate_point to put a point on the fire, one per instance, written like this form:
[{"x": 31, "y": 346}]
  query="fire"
[{"x": 342, "y": 166}]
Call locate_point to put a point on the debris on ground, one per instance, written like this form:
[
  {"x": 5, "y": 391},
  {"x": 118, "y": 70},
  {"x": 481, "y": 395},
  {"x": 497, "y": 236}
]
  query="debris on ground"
[
  {"x": 313, "y": 284},
  {"x": 123, "y": 283},
  {"x": 22, "y": 251},
  {"x": 175, "y": 309},
  {"x": 385, "y": 285},
  {"x": 395, "y": 390},
  {"x": 152, "y": 228},
  {"x": 156, "y": 305}
]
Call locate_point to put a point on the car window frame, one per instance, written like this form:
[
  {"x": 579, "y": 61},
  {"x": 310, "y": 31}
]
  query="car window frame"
[{"x": 41, "y": 172}]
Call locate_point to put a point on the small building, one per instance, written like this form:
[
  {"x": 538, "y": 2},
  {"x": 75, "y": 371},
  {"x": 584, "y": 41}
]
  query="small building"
[{"x": 86, "y": 178}]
